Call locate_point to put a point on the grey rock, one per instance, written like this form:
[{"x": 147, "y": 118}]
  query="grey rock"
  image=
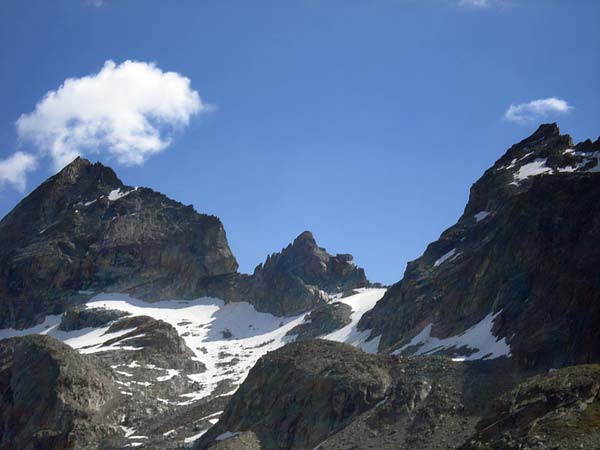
[
  {"x": 322, "y": 320},
  {"x": 53, "y": 397},
  {"x": 79, "y": 317}
]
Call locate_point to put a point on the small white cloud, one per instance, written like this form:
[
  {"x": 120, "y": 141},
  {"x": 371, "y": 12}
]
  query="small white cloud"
[
  {"x": 13, "y": 170},
  {"x": 475, "y": 3},
  {"x": 484, "y": 4},
  {"x": 536, "y": 109},
  {"x": 96, "y": 3},
  {"x": 126, "y": 110}
]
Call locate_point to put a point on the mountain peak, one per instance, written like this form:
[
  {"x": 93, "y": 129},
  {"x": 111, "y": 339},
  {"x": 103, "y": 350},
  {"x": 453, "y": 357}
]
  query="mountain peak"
[
  {"x": 82, "y": 169},
  {"x": 305, "y": 238},
  {"x": 546, "y": 130}
]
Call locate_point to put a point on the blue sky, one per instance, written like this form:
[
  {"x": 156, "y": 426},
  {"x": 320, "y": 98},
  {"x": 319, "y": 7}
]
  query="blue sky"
[{"x": 363, "y": 121}]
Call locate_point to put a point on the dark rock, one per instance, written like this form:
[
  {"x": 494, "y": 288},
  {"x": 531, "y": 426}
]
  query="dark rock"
[
  {"x": 530, "y": 260},
  {"x": 559, "y": 410},
  {"x": 293, "y": 281},
  {"x": 331, "y": 395},
  {"x": 157, "y": 342},
  {"x": 79, "y": 317},
  {"x": 242, "y": 441},
  {"x": 296, "y": 396},
  {"x": 82, "y": 229},
  {"x": 322, "y": 320},
  {"x": 53, "y": 397}
]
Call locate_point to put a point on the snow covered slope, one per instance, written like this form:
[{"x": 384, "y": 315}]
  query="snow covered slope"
[{"x": 227, "y": 338}]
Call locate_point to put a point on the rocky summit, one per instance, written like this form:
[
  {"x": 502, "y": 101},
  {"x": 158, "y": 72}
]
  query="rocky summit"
[
  {"x": 294, "y": 280},
  {"x": 83, "y": 231},
  {"x": 124, "y": 323},
  {"x": 518, "y": 265}
]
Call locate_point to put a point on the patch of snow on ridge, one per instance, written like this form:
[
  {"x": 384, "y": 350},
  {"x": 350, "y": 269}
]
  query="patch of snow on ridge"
[
  {"x": 360, "y": 304},
  {"x": 478, "y": 338},
  {"x": 448, "y": 256},
  {"x": 226, "y": 435},
  {"x": 190, "y": 440},
  {"x": 536, "y": 167},
  {"x": 116, "y": 194},
  {"x": 481, "y": 215}
]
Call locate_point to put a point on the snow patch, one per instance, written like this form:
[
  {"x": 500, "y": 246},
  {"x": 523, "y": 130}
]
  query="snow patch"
[
  {"x": 200, "y": 322},
  {"x": 478, "y": 338},
  {"x": 448, "y": 256},
  {"x": 360, "y": 304},
  {"x": 116, "y": 194},
  {"x": 226, "y": 435},
  {"x": 170, "y": 374},
  {"x": 534, "y": 168},
  {"x": 481, "y": 215}
]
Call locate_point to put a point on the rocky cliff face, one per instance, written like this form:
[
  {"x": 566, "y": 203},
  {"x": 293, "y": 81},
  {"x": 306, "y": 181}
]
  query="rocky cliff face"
[
  {"x": 53, "y": 397},
  {"x": 82, "y": 230},
  {"x": 521, "y": 259}
]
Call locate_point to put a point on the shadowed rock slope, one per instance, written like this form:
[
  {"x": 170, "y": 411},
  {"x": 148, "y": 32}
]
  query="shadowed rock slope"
[
  {"x": 52, "y": 397},
  {"x": 83, "y": 230},
  {"x": 296, "y": 396},
  {"x": 559, "y": 411},
  {"x": 524, "y": 250}
]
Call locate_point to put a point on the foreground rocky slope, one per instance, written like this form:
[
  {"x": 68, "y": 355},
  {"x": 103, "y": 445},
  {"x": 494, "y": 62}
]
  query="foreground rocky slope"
[
  {"x": 330, "y": 383},
  {"x": 560, "y": 410},
  {"x": 53, "y": 397},
  {"x": 521, "y": 260},
  {"x": 175, "y": 364},
  {"x": 343, "y": 398}
]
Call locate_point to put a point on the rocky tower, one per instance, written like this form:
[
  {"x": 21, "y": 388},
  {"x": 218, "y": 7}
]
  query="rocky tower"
[
  {"x": 292, "y": 281},
  {"x": 525, "y": 250},
  {"x": 83, "y": 230}
]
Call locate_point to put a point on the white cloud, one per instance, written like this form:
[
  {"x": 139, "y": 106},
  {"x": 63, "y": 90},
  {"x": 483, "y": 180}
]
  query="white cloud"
[
  {"x": 536, "y": 109},
  {"x": 126, "y": 110},
  {"x": 475, "y": 3},
  {"x": 484, "y": 4},
  {"x": 13, "y": 170},
  {"x": 96, "y": 3}
]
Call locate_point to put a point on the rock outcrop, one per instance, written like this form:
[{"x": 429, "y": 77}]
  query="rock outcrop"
[
  {"x": 53, "y": 397},
  {"x": 322, "y": 320},
  {"x": 80, "y": 317},
  {"x": 332, "y": 383},
  {"x": 294, "y": 280},
  {"x": 82, "y": 230},
  {"x": 522, "y": 252},
  {"x": 559, "y": 410}
]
